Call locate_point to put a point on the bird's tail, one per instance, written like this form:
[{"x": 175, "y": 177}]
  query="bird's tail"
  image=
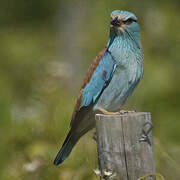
[{"x": 67, "y": 147}]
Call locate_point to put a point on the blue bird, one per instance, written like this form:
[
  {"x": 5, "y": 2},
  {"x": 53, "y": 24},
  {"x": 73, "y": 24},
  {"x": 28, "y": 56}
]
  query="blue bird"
[{"x": 110, "y": 81}]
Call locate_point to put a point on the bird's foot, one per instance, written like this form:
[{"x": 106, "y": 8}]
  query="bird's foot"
[
  {"x": 126, "y": 111},
  {"x": 107, "y": 112},
  {"x": 104, "y": 111},
  {"x": 145, "y": 132}
]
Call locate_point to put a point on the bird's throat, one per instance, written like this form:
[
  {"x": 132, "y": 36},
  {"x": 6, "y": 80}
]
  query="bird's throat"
[{"x": 123, "y": 46}]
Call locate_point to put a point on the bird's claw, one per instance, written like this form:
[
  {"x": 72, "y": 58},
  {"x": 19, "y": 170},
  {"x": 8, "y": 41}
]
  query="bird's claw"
[
  {"x": 126, "y": 111},
  {"x": 145, "y": 133}
]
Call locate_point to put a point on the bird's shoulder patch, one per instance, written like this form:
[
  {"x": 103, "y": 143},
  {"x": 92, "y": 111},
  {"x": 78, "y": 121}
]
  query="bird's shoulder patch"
[
  {"x": 104, "y": 75},
  {"x": 89, "y": 74}
]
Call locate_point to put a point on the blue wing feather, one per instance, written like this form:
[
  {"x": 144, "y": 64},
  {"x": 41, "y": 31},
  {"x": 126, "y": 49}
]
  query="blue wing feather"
[{"x": 99, "y": 80}]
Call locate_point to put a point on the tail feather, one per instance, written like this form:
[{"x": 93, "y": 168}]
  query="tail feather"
[{"x": 66, "y": 148}]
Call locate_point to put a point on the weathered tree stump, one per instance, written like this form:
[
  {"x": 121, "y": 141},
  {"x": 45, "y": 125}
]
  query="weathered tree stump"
[{"x": 123, "y": 151}]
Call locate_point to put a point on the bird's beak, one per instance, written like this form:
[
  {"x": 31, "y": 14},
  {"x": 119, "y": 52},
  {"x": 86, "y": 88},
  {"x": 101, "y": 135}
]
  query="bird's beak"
[{"x": 115, "y": 22}]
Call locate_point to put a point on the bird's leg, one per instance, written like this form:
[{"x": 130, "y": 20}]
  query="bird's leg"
[
  {"x": 107, "y": 112},
  {"x": 126, "y": 111}
]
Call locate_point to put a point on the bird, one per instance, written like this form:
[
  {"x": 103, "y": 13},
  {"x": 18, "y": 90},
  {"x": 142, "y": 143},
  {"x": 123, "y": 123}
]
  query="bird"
[{"x": 111, "y": 79}]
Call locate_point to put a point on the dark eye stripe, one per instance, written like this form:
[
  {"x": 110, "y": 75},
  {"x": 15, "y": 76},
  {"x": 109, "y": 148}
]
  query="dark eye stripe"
[{"x": 129, "y": 21}]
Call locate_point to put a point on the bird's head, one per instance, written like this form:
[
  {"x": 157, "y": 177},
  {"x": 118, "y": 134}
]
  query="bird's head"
[
  {"x": 124, "y": 23},
  {"x": 124, "y": 20}
]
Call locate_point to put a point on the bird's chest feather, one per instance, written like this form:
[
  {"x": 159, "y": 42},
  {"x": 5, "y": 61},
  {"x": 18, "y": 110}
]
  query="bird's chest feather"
[
  {"x": 120, "y": 88},
  {"x": 128, "y": 57},
  {"x": 128, "y": 72}
]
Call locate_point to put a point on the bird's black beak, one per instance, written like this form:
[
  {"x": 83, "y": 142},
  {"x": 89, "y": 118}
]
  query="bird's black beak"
[{"x": 115, "y": 22}]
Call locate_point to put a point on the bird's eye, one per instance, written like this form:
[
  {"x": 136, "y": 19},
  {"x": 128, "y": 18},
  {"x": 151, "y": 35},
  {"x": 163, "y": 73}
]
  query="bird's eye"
[{"x": 129, "y": 21}]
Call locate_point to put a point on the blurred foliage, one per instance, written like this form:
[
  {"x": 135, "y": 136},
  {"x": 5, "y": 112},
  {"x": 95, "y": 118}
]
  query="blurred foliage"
[{"x": 46, "y": 47}]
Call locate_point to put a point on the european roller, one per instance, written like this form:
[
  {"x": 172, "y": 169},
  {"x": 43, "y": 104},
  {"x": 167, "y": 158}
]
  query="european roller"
[{"x": 110, "y": 81}]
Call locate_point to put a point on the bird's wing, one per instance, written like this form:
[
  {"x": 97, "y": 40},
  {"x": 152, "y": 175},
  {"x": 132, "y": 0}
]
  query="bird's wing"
[{"x": 97, "y": 79}]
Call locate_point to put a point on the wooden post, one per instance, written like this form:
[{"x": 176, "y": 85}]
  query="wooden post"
[{"x": 122, "y": 151}]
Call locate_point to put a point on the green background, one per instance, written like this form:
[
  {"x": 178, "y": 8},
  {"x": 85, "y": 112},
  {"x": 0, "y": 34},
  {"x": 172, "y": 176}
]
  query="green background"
[{"x": 46, "y": 48}]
